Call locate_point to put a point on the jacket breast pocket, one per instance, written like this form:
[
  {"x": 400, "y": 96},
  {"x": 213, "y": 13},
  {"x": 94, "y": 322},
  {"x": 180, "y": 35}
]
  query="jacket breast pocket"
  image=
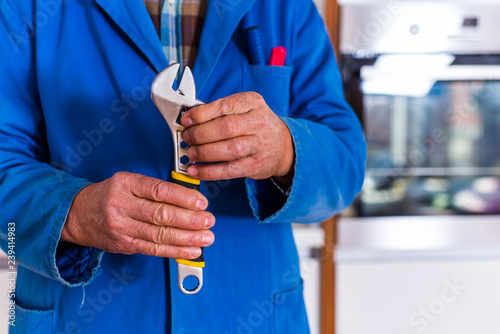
[
  {"x": 272, "y": 82},
  {"x": 290, "y": 311},
  {"x": 33, "y": 321}
]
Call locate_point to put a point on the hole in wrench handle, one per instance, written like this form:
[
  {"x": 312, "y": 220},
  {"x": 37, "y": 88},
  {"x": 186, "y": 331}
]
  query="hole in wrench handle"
[{"x": 185, "y": 271}]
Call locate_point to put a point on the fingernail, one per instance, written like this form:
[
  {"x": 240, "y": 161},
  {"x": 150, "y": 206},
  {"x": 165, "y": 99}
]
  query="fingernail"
[
  {"x": 208, "y": 239},
  {"x": 201, "y": 204},
  {"x": 187, "y": 121},
  {"x": 195, "y": 252},
  {"x": 193, "y": 171},
  {"x": 209, "y": 221}
]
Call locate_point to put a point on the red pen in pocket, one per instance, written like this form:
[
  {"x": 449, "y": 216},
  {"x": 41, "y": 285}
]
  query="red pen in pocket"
[{"x": 278, "y": 56}]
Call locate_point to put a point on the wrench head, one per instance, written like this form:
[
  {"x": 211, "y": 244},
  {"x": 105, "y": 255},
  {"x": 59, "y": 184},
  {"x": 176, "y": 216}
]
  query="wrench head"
[
  {"x": 172, "y": 103},
  {"x": 165, "y": 79}
]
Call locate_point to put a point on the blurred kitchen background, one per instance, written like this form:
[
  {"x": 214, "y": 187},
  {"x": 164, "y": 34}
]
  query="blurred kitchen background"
[{"x": 419, "y": 251}]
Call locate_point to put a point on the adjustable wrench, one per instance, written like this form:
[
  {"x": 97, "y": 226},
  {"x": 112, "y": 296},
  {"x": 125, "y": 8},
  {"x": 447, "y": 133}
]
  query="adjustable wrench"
[{"x": 172, "y": 104}]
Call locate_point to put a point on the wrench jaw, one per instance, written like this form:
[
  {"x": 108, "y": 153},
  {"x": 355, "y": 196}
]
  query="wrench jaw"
[
  {"x": 184, "y": 271},
  {"x": 165, "y": 98},
  {"x": 187, "y": 87},
  {"x": 172, "y": 103}
]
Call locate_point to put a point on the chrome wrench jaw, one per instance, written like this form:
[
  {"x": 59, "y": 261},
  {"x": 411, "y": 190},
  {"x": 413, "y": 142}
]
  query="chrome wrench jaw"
[{"x": 171, "y": 103}]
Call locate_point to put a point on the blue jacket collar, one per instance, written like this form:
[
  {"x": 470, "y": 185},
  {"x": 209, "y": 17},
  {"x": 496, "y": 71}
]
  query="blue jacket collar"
[
  {"x": 133, "y": 19},
  {"x": 223, "y": 16}
]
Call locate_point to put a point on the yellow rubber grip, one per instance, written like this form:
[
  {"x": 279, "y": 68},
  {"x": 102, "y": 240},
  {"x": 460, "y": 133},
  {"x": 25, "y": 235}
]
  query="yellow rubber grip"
[
  {"x": 191, "y": 263},
  {"x": 184, "y": 178}
]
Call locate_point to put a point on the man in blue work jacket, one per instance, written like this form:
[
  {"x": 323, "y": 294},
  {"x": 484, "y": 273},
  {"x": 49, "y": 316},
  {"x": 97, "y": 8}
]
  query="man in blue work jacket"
[{"x": 86, "y": 208}]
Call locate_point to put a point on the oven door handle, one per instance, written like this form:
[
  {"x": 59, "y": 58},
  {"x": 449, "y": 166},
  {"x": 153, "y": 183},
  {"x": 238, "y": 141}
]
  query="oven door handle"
[{"x": 450, "y": 73}]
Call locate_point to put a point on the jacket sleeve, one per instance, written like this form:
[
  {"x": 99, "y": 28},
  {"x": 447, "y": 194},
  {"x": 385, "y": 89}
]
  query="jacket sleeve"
[
  {"x": 34, "y": 196},
  {"x": 329, "y": 143}
]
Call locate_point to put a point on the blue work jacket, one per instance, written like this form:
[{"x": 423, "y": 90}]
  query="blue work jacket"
[{"x": 75, "y": 108}]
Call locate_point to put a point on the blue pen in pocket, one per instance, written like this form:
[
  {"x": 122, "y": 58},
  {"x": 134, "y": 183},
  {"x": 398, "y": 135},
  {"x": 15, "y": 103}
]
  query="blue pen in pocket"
[{"x": 255, "y": 41}]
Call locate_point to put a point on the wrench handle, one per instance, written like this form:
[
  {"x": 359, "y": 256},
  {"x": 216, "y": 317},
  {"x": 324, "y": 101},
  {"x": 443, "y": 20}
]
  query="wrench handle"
[{"x": 189, "y": 267}]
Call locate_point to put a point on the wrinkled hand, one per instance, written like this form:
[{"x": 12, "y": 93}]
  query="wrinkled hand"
[
  {"x": 242, "y": 135},
  {"x": 135, "y": 214}
]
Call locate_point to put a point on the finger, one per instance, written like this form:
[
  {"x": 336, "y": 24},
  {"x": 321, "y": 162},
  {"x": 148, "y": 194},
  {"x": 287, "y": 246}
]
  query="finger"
[
  {"x": 161, "y": 191},
  {"x": 227, "y": 150},
  {"x": 162, "y": 214},
  {"x": 222, "y": 128},
  {"x": 234, "y": 104},
  {"x": 139, "y": 246},
  {"x": 171, "y": 235},
  {"x": 246, "y": 167}
]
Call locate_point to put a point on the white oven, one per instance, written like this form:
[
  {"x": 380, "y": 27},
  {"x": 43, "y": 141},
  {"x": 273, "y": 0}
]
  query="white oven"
[{"x": 424, "y": 78}]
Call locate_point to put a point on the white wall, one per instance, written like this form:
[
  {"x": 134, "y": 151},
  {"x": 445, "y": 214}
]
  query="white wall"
[
  {"x": 415, "y": 297},
  {"x": 321, "y": 6}
]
